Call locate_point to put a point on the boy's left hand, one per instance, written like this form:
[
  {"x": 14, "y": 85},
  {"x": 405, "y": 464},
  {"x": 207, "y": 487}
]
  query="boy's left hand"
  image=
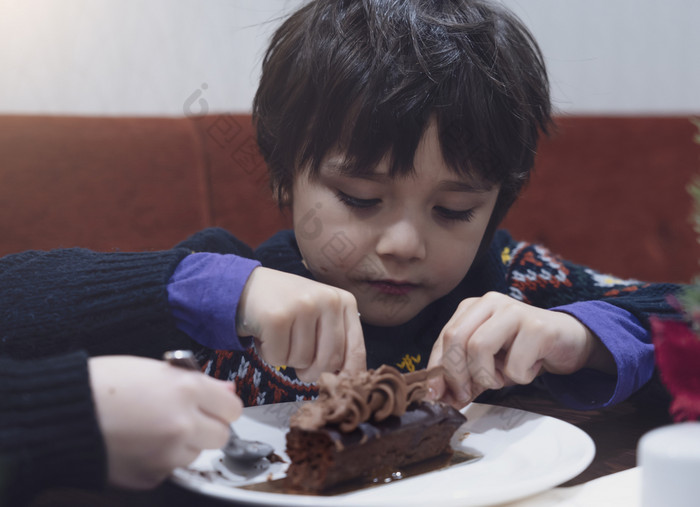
[{"x": 495, "y": 340}]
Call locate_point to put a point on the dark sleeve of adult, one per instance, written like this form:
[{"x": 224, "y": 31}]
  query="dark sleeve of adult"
[
  {"x": 105, "y": 303},
  {"x": 75, "y": 299},
  {"x": 49, "y": 434}
]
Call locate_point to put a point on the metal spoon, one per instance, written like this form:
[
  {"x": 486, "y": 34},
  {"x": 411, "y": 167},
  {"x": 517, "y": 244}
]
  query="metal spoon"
[
  {"x": 239, "y": 449},
  {"x": 247, "y": 458},
  {"x": 242, "y": 456}
]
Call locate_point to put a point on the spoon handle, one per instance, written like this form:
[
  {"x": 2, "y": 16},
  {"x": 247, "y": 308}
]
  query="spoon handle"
[{"x": 182, "y": 359}]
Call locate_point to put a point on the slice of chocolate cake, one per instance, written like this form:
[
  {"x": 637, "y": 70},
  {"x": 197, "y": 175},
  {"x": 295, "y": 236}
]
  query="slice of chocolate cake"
[{"x": 365, "y": 427}]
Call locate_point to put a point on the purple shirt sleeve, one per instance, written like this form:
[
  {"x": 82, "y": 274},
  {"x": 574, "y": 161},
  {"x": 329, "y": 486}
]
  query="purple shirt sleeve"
[
  {"x": 203, "y": 294},
  {"x": 627, "y": 340}
]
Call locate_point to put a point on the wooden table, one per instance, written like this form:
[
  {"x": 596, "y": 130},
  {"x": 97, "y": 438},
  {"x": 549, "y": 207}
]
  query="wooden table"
[{"x": 615, "y": 431}]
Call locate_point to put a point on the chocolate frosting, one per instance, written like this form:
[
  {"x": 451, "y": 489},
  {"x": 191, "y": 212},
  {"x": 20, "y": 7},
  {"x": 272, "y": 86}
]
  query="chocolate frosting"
[{"x": 348, "y": 399}]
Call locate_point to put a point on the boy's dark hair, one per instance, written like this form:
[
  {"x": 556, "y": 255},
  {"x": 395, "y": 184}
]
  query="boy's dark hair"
[{"x": 366, "y": 76}]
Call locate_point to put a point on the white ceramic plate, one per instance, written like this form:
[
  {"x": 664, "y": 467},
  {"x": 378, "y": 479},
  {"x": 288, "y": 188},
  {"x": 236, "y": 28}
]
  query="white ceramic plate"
[{"x": 524, "y": 454}]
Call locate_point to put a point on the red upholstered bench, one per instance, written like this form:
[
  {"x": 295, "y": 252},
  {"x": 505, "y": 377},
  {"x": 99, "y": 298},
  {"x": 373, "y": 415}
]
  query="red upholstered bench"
[{"x": 607, "y": 192}]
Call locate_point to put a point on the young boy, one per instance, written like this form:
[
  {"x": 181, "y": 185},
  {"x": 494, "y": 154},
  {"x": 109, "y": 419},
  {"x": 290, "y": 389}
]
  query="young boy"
[{"x": 399, "y": 134}]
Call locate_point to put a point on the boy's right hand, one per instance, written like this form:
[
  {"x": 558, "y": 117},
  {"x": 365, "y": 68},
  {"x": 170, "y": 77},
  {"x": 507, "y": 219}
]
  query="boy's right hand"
[{"x": 301, "y": 323}]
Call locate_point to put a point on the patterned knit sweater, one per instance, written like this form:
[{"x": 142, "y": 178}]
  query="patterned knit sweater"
[
  {"x": 64, "y": 305},
  {"x": 527, "y": 272}
]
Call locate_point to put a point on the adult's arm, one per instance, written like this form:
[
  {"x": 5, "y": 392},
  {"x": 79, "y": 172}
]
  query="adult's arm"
[
  {"x": 105, "y": 303},
  {"x": 49, "y": 434},
  {"x": 71, "y": 299}
]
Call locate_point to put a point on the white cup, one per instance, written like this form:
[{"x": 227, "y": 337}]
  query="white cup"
[{"x": 669, "y": 458}]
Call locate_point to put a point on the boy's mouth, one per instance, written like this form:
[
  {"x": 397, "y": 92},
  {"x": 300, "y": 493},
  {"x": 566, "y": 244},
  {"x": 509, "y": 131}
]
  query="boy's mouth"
[{"x": 392, "y": 287}]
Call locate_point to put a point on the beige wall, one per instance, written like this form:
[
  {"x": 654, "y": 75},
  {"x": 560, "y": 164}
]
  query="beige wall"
[{"x": 174, "y": 57}]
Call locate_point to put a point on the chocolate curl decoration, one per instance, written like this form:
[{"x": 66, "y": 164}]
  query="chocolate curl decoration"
[
  {"x": 345, "y": 400},
  {"x": 349, "y": 399},
  {"x": 388, "y": 395},
  {"x": 310, "y": 416},
  {"x": 418, "y": 383}
]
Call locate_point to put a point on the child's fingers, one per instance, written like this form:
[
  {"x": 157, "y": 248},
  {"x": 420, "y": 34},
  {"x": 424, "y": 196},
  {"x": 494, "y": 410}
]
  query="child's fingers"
[
  {"x": 454, "y": 345},
  {"x": 439, "y": 390},
  {"x": 275, "y": 339},
  {"x": 466, "y": 348},
  {"x": 436, "y": 385},
  {"x": 436, "y": 388},
  {"x": 450, "y": 400},
  {"x": 344, "y": 351},
  {"x": 304, "y": 342},
  {"x": 454, "y": 384},
  {"x": 456, "y": 377},
  {"x": 494, "y": 336},
  {"x": 332, "y": 348},
  {"x": 523, "y": 362},
  {"x": 355, "y": 357},
  {"x": 435, "y": 358},
  {"x": 329, "y": 347}
]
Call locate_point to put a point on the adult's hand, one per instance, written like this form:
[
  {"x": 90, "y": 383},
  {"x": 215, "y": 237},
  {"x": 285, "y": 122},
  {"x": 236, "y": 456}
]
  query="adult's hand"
[{"x": 155, "y": 417}]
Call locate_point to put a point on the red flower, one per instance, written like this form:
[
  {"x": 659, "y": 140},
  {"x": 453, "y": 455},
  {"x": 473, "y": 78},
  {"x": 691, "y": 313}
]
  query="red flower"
[{"x": 678, "y": 359}]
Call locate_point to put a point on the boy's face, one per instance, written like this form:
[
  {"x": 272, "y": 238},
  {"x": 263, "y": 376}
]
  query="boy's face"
[{"x": 396, "y": 244}]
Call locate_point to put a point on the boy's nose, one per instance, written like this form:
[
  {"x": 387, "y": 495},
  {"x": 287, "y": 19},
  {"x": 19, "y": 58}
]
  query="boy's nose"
[{"x": 403, "y": 240}]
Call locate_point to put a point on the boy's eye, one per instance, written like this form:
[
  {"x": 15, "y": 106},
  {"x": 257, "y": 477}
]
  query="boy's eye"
[
  {"x": 355, "y": 202},
  {"x": 450, "y": 214}
]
